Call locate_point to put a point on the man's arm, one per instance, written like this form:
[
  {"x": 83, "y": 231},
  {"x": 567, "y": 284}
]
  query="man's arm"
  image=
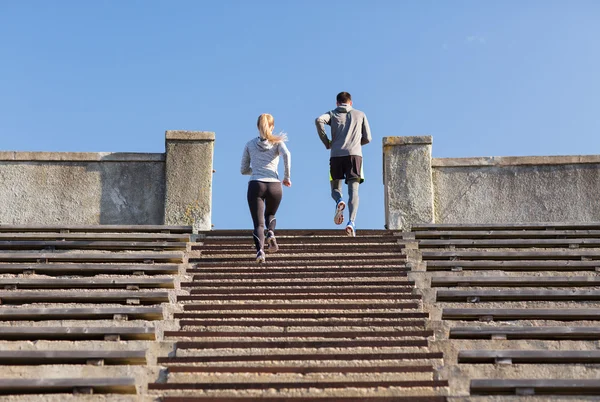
[
  {"x": 320, "y": 123},
  {"x": 366, "y": 132},
  {"x": 245, "y": 168}
]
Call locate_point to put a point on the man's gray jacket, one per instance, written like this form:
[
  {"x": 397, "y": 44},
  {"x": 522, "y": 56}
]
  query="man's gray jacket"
[{"x": 349, "y": 130}]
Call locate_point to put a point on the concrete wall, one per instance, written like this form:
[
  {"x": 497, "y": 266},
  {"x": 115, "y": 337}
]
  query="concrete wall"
[
  {"x": 111, "y": 188},
  {"x": 81, "y": 188},
  {"x": 420, "y": 189}
]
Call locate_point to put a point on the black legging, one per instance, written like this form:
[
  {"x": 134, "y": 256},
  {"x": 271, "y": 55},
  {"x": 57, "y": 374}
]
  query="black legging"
[{"x": 263, "y": 200}]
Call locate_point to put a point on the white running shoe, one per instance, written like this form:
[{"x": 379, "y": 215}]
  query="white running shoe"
[
  {"x": 272, "y": 242},
  {"x": 338, "y": 218},
  {"x": 350, "y": 229},
  {"x": 260, "y": 256}
]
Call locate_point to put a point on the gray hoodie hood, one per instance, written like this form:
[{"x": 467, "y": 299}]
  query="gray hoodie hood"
[
  {"x": 343, "y": 108},
  {"x": 263, "y": 145}
]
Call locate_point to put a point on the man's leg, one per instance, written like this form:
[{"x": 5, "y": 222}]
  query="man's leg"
[
  {"x": 336, "y": 175},
  {"x": 353, "y": 177},
  {"x": 336, "y": 190},
  {"x": 353, "y": 197},
  {"x": 340, "y": 205}
]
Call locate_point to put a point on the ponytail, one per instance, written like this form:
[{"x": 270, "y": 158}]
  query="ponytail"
[{"x": 265, "y": 125}]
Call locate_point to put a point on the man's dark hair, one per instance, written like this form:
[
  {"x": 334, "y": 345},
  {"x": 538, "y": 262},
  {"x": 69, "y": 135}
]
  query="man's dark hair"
[{"x": 343, "y": 97}]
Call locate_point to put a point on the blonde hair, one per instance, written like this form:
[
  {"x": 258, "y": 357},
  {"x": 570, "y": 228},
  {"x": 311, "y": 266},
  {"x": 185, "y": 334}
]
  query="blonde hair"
[{"x": 266, "y": 124}]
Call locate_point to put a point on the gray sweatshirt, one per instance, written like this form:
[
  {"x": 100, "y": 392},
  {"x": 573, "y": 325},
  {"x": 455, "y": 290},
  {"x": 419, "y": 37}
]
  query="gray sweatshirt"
[
  {"x": 261, "y": 158},
  {"x": 349, "y": 131}
]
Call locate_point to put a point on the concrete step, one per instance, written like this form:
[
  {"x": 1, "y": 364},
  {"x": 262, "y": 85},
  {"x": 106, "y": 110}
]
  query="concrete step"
[
  {"x": 92, "y": 357},
  {"x": 507, "y": 226},
  {"x": 531, "y": 387},
  {"x": 15, "y": 333},
  {"x": 76, "y": 386},
  {"x": 96, "y": 257},
  {"x": 507, "y": 234},
  {"x": 96, "y": 236},
  {"x": 96, "y": 228},
  {"x": 81, "y": 313},
  {"x": 89, "y": 269},
  {"x": 90, "y": 245},
  {"x": 86, "y": 283},
  {"x": 509, "y": 243}
]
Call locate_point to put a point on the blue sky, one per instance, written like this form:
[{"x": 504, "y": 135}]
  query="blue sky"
[{"x": 483, "y": 78}]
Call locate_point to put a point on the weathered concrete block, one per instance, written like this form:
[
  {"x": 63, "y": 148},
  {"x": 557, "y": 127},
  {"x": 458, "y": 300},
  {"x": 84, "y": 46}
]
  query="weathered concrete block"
[
  {"x": 189, "y": 169},
  {"x": 407, "y": 181}
]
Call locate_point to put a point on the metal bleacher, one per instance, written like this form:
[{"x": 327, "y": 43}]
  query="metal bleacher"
[
  {"x": 519, "y": 305},
  {"x": 78, "y": 306}
]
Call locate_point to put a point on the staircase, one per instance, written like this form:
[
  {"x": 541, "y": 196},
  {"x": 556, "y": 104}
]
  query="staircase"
[
  {"x": 327, "y": 318},
  {"x": 445, "y": 312}
]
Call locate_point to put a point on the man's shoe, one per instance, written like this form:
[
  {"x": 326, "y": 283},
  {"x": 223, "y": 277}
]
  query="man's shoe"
[
  {"x": 350, "y": 230},
  {"x": 338, "y": 218},
  {"x": 272, "y": 242},
  {"x": 260, "y": 256}
]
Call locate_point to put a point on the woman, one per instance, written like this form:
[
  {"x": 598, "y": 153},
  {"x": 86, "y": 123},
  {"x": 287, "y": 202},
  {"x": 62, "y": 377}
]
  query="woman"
[{"x": 260, "y": 160}]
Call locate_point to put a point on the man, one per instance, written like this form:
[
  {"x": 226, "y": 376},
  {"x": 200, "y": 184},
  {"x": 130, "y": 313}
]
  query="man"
[{"x": 349, "y": 132}]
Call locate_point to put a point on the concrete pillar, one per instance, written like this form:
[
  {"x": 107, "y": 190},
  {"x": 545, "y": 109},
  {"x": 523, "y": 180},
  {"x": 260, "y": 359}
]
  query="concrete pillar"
[
  {"x": 407, "y": 181},
  {"x": 189, "y": 170}
]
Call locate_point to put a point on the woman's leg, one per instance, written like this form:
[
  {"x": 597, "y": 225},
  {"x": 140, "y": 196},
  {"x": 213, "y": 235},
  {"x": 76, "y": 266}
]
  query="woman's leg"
[
  {"x": 273, "y": 197},
  {"x": 256, "y": 203}
]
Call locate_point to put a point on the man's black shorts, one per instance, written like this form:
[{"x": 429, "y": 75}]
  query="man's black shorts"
[{"x": 345, "y": 167}]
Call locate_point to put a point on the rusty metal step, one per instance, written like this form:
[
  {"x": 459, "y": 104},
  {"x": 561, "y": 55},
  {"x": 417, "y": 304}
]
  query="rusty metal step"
[
  {"x": 285, "y": 240},
  {"x": 286, "y": 258},
  {"x": 300, "y": 369},
  {"x": 303, "y": 296},
  {"x": 431, "y": 398},
  {"x": 199, "y": 290},
  {"x": 230, "y": 284},
  {"x": 398, "y": 322},
  {"x": 302, "y": 357},
  {"x": 295, "y": 385},
  {"x": 224, "y": 264},
  {"x": 301, "y": 334},
  {"x": 315, "y": 315},
  {"x": 325, "y": 270},
  {"x": 299, "y": 232},
  {"x": 302, "y": 249},
  {"x": 310, "y": 275},
  {"x": 303, "y": 344},
  {"x": 299, "y": 306}
]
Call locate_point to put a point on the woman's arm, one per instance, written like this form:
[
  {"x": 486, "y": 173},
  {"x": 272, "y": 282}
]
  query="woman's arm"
[
  {"x": 245, "y": 168},
  {"x": 287, "y": 161}
]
